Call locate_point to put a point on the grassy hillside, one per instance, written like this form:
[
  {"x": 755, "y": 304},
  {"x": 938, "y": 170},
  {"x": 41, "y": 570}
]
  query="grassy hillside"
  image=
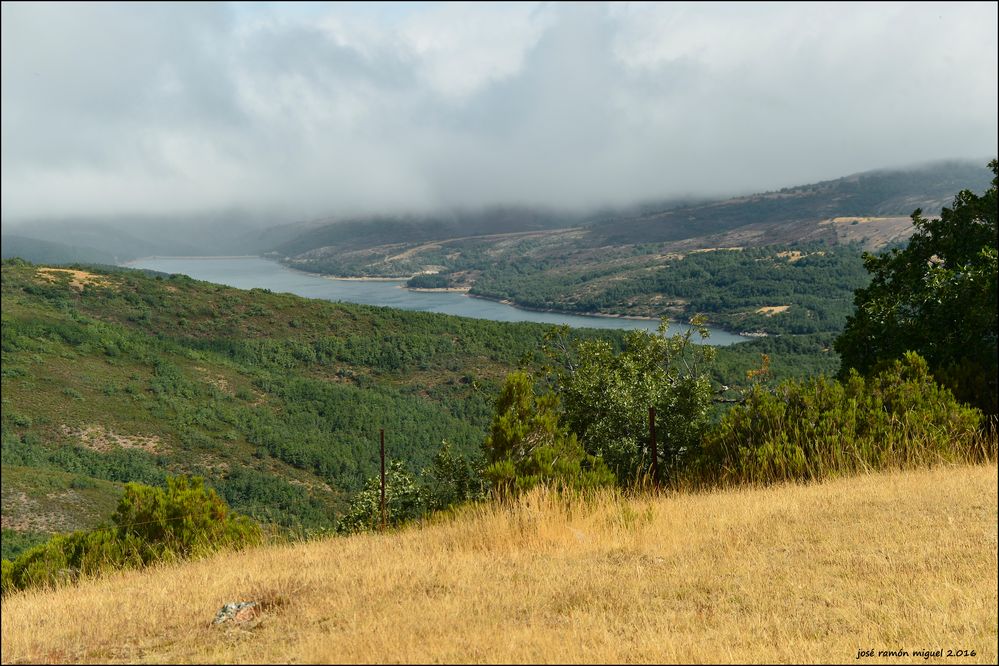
[
  {"x": 882, "y": 193},
  {"x": 784, "y": 575}
]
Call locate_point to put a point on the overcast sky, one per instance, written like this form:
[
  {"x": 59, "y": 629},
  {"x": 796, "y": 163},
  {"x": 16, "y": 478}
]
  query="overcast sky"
[{"x": 317, "y": 109}]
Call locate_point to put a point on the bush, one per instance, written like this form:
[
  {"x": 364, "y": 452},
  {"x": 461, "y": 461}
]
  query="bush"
[
  {"x": 187, "y": 519},
  {"x": 897, "y": 418},
  {"x": 151, "y": 525}
]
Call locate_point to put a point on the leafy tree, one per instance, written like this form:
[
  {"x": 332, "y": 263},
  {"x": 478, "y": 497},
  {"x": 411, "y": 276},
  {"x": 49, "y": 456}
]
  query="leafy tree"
[
  {"x": 527, "y": 445},
  {"x": 404, "y": 501},
  {"x": 607, "y": 396},
  {"x": 937, "y": 296},
  {"x": 450, "y": 479}
]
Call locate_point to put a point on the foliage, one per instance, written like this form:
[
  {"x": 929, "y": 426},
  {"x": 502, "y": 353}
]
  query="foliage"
[
  {"x": 450, "y": 480},
  {"x": 428, "y": 281},
  {"x": 528, "y": 446},
  {"x": 937, "y": 296},
  {"x": 404, "y": 501},
  {"x": 606, "y": 398},
  {"x": 151, "y": 525},
  {"x": 899, "y": 417},
  {"x": 14, "y": 543},
  {"x": 185, "y": 520},
  {"x": 728, "y": 286}
]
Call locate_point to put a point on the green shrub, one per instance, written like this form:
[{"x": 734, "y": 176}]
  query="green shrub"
[
  {"x": 187, "y": 519},
  {"x": 151, "y": 525},
  {"x": 451, "y": 479},
  {"x": 606, "y": 398},
  {"x": 897, "y": 418}
]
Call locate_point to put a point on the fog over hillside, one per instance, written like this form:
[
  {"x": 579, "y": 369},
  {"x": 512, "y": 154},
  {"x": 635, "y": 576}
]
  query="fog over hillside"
[{"x": 284, "y": 112}]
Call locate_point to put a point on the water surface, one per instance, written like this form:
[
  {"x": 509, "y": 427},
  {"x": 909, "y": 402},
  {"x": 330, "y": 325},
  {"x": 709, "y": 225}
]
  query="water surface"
[{"x": 251, "y": 272}]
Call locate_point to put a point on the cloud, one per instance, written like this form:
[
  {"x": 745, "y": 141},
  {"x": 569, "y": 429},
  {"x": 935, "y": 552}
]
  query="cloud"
[{"x": 314, "y": 109}]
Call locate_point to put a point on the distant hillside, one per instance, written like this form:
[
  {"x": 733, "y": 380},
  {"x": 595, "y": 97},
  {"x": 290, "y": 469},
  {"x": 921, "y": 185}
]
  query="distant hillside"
[
  {"x": 50, "y": 252},
  {"x": 791, "y": 259},
  {"x": 117, "y": 241},
  {"x": 355, "y": 233},
  {"x": 883, "y": 193},
  {"x": 128, "y": 238}
]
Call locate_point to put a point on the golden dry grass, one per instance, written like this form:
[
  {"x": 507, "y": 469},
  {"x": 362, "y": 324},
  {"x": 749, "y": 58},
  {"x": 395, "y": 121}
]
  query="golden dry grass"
[
  {"x": 77, "y": 279},
  {"x": 787, "y": 574},
  {"x": 771, "y": 310}
]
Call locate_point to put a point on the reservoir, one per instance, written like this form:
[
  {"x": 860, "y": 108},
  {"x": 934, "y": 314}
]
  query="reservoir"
[{"x": 257, "y": 272}]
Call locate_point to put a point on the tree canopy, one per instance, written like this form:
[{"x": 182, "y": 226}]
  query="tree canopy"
[{"x": 937, "y": 296}]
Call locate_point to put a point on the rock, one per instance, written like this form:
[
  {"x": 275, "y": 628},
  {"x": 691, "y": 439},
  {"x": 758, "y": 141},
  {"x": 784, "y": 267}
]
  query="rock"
[{"x": 237, "y": 612}]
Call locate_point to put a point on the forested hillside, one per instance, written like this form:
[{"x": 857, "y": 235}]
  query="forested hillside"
[{"x": 112, "y": 376}]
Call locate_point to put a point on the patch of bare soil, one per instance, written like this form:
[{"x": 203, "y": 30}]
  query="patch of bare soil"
[
  {"x": 873, "y": 232},
  {"x": 99, "y": 438},
  {"x": 771, "y": 310},
  {"x": 716, "y": 249}
]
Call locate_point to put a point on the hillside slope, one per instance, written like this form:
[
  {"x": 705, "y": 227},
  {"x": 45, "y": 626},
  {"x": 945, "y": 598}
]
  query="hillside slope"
[
  {"x": 111, "y": 376},
  {"x": 790, "y": 574},
  {"x": 651, "y": 261},
  {"x": 117, "y": 376}
]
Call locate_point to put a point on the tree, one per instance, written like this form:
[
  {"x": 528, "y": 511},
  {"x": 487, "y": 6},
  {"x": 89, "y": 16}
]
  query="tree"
[
  {"x": 527, "y": 445},
  {"x": 937, "y": 297},
  {"x": 404, "y": 501},
  {"x": 451, "y": 479},
  {"x": 607, "y": 395}
]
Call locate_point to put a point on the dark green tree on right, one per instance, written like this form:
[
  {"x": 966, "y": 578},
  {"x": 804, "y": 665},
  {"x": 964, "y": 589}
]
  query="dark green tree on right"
[{"x": 937, "y": 297}]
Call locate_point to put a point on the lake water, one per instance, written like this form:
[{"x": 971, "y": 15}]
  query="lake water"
[{"x": 250, "y": 272}]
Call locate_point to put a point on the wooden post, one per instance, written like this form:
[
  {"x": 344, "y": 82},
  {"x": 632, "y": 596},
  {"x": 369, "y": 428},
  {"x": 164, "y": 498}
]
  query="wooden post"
[
  {"x": 383, "y": 477},
  {"x": 653, "y": 447}
]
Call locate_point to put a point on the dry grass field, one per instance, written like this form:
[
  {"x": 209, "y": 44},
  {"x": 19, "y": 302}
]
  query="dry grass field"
[{"x": 900, "y": 561}]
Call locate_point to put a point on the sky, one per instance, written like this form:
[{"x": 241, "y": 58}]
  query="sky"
[{"x": 319, "y": 109}]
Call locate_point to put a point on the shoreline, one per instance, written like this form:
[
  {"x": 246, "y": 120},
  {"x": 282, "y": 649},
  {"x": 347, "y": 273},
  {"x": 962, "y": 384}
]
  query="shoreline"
[
  {"x": 460, "y": 290},
  {"x": 437, "y": 290},
  {"x": 164, "y": 256},
  {"x": 506, "y": 301},
  {"x": 467, "y": 292}
]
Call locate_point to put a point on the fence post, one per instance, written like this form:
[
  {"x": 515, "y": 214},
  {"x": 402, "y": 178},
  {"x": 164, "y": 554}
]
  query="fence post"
[
  {"x": 653, "y": 447},
  {"x": 383, "y": 476}
]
